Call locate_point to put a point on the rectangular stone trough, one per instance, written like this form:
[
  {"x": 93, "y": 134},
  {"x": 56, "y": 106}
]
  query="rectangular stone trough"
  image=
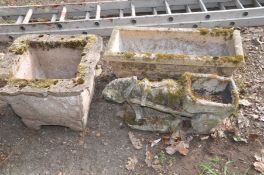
[
  {"x": 49, "y": 79},
  {"x": 166, "y": 52}
]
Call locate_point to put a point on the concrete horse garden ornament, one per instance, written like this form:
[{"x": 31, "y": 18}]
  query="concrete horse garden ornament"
[{"x": 202, "y": 99}]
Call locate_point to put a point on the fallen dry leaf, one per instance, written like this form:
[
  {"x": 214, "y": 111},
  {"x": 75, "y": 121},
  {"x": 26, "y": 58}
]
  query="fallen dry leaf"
[
  {"x": 180, "y": 147},
  {"x": 131, "y": 163},
  {"x": 175, "y": 137},
  {"x": 228, "y": 124},
  {"x": 156, "y": 165},
  {"x": 149, "y": 157},
  {"x": 165, "y": 139},
  {"x": 259, "y": 164},
  {"x": 135, "y": 141}
]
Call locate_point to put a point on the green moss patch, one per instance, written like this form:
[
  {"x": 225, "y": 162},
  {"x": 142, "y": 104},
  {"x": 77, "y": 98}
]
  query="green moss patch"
[
  {"x": 162, "y": 56},
  {"x": 221, "y": 32},
  {"x": 128, "y": 55},
  {"x": 230, "y": 59},
  {"x": 21, "y": 45},
  {"x": 171, "y": 96},
  {"x": 204, "y": 31},
  {"x": 130, "y": 119},
  {"x": 227, "y": 33},
  {"x": 45, "y": 83},
  {"x": 80, "y": 74},
  {"x": 235, "y": 98}
]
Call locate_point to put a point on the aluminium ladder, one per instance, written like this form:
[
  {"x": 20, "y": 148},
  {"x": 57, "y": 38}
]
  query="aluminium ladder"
[{"x": 100, "y": 17}]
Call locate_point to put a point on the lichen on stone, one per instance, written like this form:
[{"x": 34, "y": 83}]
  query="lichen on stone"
[
  {"x": 147, "y": 56},
  {"x": 80, "y": 74},
  {"x": 235, "y": 98},
  {"x": 130, "y": 120},
  {"x": 128, "y": 55},
  {"x": 186, "y": 80},
  {"x": 164, "y": 56},
  {"x": 227, "y": 33},
  {"x": 204, "y": 31},
  {"x": 43, "y": 83},
  {"x": 222, "y": 32},
  {"x": 175, "y": 91},
  {"x": 167, "y": 92},
  {"x": 90, "y": 40},
  {"x": 37, "y": 83},
  {"x": 81, "y": 70},
  {"x": 229, "y": 59},
  {"x": 21, "y": 45}
]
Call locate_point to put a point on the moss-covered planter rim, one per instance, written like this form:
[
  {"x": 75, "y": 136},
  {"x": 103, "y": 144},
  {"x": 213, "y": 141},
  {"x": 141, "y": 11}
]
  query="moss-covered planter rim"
[
  {"x": 23, "y": 43},
  {"x": 176, "y": 59},
  {"x": 187, "y": 80},
  {"x": 55, "y": 87}
]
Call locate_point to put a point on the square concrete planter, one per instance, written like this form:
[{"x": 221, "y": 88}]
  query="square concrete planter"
[
  {"x": 49, "y": 79},
  {"x": 209, "y": 99},
  {"x": 166, "y": 52}
]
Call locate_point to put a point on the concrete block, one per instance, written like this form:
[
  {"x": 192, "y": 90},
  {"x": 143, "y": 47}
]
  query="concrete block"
[
  {"x": 158, "y": 53},
  {"x": 49, "y": 79}
]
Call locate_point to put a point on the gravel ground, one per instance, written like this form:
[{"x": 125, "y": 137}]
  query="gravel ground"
[{"x": 104, "y": 147}]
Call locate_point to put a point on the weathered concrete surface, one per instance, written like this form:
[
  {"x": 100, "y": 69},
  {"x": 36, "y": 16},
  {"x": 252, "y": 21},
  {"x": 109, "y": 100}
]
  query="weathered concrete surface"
[
  {"x": 49, "y": 80},
  {"x": 158, "y": 53},
  {"x": 217, "y": 100}
]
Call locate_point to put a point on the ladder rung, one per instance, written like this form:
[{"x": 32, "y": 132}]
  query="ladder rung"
[
  {"x": 19, "y": 20},
  {"x": 28, "y": 16},
  {"x": 133, "y": 10},
  {"x": 238, "y": 4},
  {"x": 87, "y": 15},
  {"x": 98, "y": 12},
  {"x": 188, "y": 9},
  {"x": 53, "y": 18},
  {"x": 168, "y": 10},
  {"x": 154, "y": 11},
  {"x": 121, "y": 13},
  {"x": 202, "y": 6},
  {"x": 257, "y": 4},
  {"x": 222, "y": 6},
  {"x": 63, "y": 14}
]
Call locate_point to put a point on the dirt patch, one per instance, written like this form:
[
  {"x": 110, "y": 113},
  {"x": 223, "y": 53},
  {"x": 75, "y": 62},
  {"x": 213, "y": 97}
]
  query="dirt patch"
[{"x": 203, "y": 94}]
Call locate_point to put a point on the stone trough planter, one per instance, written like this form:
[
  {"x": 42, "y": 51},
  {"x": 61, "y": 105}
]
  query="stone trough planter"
[
  {"x": 209, "y": 99},
  {"x": 49, "y": 79},
  {"x": 158, "y": 53},
  {"x": 202, "y": 99}
]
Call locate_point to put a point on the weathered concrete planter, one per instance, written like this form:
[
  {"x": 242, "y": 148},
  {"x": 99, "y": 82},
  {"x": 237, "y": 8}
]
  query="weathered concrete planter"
[
  {"x": 202, "y": 99},
  {"x": 209, "y": 99},
  {"x": 162, "y": 53},
  {"x": 49, "y": 79}
]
